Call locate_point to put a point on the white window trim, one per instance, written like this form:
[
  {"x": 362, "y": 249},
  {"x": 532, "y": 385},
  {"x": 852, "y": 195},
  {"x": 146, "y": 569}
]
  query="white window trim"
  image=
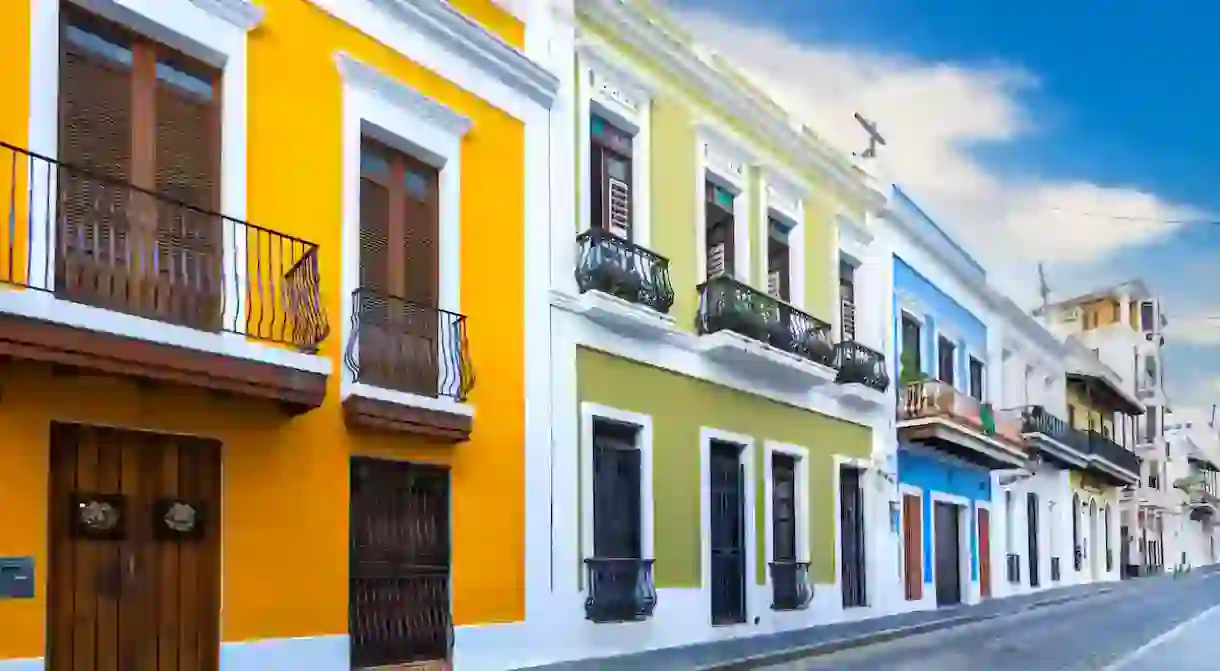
[
  {"x": 904, "y": 490},
  {"x": 965, "y": 528},
  {"x": 378, "y": 106},
  {"x": 215, "y": 33},
  {"x": 865, "y": 467},
  {"x": 589, "y": 412},
  {"x": 749, "y": 504},
  {"x": 625, "y": 101},
  {"x": 782, "y": 197},
  {"x": 801, "y": 454},
  {"x": 721, "y": 158}
]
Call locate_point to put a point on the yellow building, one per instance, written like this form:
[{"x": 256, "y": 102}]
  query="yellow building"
[{"x": 252, "y": 253}]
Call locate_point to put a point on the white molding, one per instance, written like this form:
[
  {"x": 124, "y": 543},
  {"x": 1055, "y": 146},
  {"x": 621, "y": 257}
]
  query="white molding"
[
  {"x": 771, "y": 205},
  {"x": 656, "y": 44},
  {"x": 588, "y": 413},
  {"x": 803, "y": 544},
  {"x": 241, "y": 13},
  {"x": 967, "y": 583},
  {"x": 440, "y": 38},
  {"x": 749, "y": 504},
  {"x": 614, "y": 313},
  {"x": 425, "y": 130},
  {"x": 363, "y": 75}
]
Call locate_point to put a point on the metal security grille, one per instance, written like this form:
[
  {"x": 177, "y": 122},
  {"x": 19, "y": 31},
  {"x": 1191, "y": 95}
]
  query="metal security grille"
[
  {"x": 728, "y": 535},
  {"x": 399, "y": 605},
  {"x": 851, "y": 521}
]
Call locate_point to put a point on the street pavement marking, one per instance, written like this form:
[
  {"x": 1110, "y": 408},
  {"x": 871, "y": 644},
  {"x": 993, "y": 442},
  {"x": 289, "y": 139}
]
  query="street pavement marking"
[{"x": 1164, "y": 637}]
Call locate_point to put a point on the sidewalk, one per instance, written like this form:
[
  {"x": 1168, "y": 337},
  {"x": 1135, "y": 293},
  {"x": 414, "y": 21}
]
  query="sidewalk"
[{"x": 755, "y": 651}]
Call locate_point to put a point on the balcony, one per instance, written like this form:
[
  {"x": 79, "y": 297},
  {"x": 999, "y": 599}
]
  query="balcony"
[
  {"x": 105, "y": 276},
  {"x": 937, "y": 415},
  {"x": 862, "y": 373},
  {"x": 619, "y": 590},
  {"x": 409, "y": 366},
  {"x": 791, "y": 588},
  {"x": 754, "y": 332},
  {"x": 1054, "y": 438},
  {"x": 1116, "y": 463},
  {"x": 622, "y": 286}
]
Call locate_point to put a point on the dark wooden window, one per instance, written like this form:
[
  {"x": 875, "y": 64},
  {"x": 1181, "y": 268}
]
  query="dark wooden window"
[
  {"x": 720, "y": 230},
  {"x": 610, "y": 177},
  {"x": 976, "y": 378},
  {"x": 945, "y": 360},
  {"x": 139, "y": 112},
  {"x": 616, "y": 491},
  {"x": 847, "y": 300},
  {"x": 1146, "y": 316},
  {"x": 783, "y": 507},
  {"x": 779, "y": 260},
  {"x": 399, "y": 270},
  {"x": 1151, "y": 422},
  {"x": 911, "y": 341}
]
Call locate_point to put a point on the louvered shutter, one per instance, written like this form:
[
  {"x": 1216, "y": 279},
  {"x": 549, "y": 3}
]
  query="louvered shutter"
[
  {"x": 95, "y": 126},
  {"x": 187, "y": 244},
  {"x": 719, "y": 231},
  {"x": 617, "y": 194},
  {"x": 419, "y": 239},
  {"x": 373, "y": 302}
]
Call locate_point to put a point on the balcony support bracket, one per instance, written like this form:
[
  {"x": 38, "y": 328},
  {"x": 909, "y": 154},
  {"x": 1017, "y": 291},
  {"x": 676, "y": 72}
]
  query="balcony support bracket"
[{"x": 432, "y": 424}]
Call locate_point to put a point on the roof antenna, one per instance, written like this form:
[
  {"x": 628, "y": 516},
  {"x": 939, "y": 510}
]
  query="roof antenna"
[
  {"x": 874, "y": 136},
  {"x": 1043, "y": 288}
]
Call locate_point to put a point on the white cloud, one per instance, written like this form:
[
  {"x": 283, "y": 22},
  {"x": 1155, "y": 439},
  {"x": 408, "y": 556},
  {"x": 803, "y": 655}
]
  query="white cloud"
[
  {"x": 932, "y": 114},
  {"x": 1198, "y": 328}
]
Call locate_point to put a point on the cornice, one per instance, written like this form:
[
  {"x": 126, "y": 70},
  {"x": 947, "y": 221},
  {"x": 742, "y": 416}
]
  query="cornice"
[
  {"x": 449, "y": 27},
  {"x": 653, "y": 41},
  {"x": 597, "y": 57},
  {"x": 366, "y": 76},
  {"x": 242, "y": 13}
]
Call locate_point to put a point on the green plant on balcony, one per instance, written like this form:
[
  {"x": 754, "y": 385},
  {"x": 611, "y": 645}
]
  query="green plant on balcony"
[
  {"x": 615, "y": 273},
  {"x": 740, "y": 314},
  {"x": 908, "y": 371},
  {"x": 987, "y": 418}
]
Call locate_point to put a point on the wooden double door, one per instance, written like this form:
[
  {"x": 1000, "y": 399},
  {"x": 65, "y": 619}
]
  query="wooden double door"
[{"x": 134, "y": 576}]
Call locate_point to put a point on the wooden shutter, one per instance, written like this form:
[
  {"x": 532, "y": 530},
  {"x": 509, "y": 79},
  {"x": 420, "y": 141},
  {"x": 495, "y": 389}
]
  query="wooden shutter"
[
  {"x": 610, "y": 176},
  {"x": 720, "y": 231},
  {"x": 783, "y": 507},
  {"x": 779, "y": 261},
  {"x": 95, "y": 131},
  {"x": 616, "y": 492},
  {"x": 912, "y": 538}
]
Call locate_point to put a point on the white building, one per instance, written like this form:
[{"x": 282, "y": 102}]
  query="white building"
[{"x": 1193, "y": 444}]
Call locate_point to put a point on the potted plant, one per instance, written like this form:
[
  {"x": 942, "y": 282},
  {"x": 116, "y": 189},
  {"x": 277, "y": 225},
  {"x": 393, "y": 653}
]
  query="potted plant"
[
  {"x": 739, "y": 314},
  {"x": 614, "y": 269},
  {"x": 779, "y": 327}
]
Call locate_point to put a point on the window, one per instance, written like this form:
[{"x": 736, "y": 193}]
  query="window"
[
  {"x": 399, "y": 275},
  {"x": 720, "y": 230},
  {"x": 617, "y": 500},
  {"x": 610, "y": 177},
  {"x": 976, "y": 378},
  {"x": 1010, "y": 523},
  {"x": 1072, "y": 416},
  {"x": 784, "y": 507},
  {"x": 138, "y": 112},
  {"x": 911, "y": 355},
  {"x": 1154, "y": 471},
  {"x": 945, "y": 360},
  {"x": 1147, "y": 313},
  {"x": 1150, "y": 423},
  {"x": 779, "y": 260},
  {"x": 847, "y": 298}
]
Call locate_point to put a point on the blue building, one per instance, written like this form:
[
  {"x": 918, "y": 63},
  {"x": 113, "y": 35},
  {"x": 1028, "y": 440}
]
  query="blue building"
[{"x": 949, "y": 437}]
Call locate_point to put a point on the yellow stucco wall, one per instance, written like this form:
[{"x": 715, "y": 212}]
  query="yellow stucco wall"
[
  {"x": 1085, "y": 410},
  {"x": 284, "y": 528}
]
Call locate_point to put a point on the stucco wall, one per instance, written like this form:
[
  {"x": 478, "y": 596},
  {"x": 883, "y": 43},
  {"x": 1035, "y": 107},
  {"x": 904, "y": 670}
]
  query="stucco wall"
[
  {"x": 679, "y": 406},
  {"x": 931, "y": 473}
]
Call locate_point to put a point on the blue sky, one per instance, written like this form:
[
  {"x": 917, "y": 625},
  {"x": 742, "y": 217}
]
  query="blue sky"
[{"x": 1009, "y": 121}]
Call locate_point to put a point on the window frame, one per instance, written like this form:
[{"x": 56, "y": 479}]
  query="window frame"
[
  {"x": 905, "y": 314},
  {"x": 971, "y": 359},
  {"x": 944, "y": 338},
  {"x": 589, "y": 414},
  {"x": 800, "y": 455},
  {"x": 623, "y": 99},
  {"x": 383, "y": 109},
  {"x": 722, "y": 159}
]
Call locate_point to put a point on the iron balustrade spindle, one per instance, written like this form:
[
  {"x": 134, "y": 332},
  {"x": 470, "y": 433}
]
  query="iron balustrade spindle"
[
  {"x": 623, "y": 269},
  {"x": 619, "y": 589},
  {"x": 91, "y": 239},
  {"x": 791, "y": 587},
  {"x": 858, "y": 364}
]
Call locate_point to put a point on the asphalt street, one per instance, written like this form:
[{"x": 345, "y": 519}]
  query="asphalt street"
[{"x": 1159, "y": 625}]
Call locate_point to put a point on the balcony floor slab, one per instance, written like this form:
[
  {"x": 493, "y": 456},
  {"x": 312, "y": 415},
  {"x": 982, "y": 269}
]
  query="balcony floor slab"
[
  {"x": 756, "y": 359},
  {"x": 962, "y": 441},
  {"x": 616, "y": 314}
]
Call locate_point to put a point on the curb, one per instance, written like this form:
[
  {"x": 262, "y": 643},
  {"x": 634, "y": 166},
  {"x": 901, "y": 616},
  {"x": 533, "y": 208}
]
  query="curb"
[{"x": 882, "y": 636}]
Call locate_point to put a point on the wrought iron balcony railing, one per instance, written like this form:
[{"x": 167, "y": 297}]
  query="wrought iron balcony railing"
[
  {"x": 1012, "y": 563},
  {"x": 619, "y": 590},
  {"x": 1037, "y": 419},
  {"x": 408, "y": 346},
  {"x": 791, "y": 588},
  {"x": 90, "y": 238},
  {"x": 1055, "y": 575},
  {"x": 861, "y": 365},
  {"x": 1116, "y": 454},
  {"x": 932, "y": 398},
  {"x": 728, "y": 304},
  {"x": 621, "y": 268}
]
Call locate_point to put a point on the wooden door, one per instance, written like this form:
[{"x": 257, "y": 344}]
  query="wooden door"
[
  {"x": 728, "y": 544},
  {"x": 134, "y": 577},
  {"x": 948, "y": 555},
  {"x": 398, "y": 602},
  {"x": 851, "y": 536},
  {"x": 984, "y": 552},
  {"x": 397, "y": 304},
  {"x": 912, "y": 544}
]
